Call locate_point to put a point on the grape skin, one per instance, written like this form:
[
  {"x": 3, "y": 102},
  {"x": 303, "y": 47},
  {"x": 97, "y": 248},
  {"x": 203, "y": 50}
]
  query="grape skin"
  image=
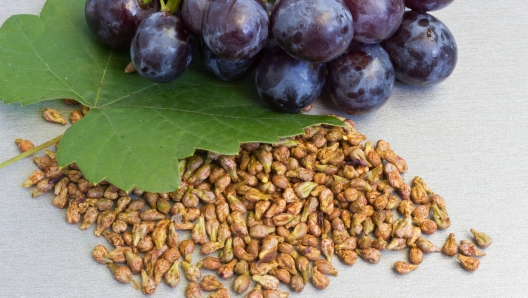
[
  {"x": 114, "y": 22},
  {"x": 192, "y": 14},
  {"x": 287, "y": 84},
  {"x": 427, "y": 5},
  {"x": 374, "y": 21},
  {"x": 312, "y": 30},
  {"x": 162, "y": 48},
  {"x": 235, "y": 29},
  {"x": 361, "y": 79},
  {"x": 226, "y": 70},
  {"x": 422, "y": 50}
]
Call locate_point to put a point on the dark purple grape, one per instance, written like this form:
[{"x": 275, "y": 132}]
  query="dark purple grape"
[
  {"x": 422, "y": 50},
  {"x": 162, "y": 47},
  {"x": 374, "y": 21},
  {"x": 114, "y": 22},
  {"x": 427, "y": 5},
  {"x": 226, "y": 70},
  {"x": 287, "y": 84},
  {"x": 192, "y": 14},
  {"x": 361, "y": 79},
  {"x": 235, "y": 29},
  {"x": 312, "y": 30}
]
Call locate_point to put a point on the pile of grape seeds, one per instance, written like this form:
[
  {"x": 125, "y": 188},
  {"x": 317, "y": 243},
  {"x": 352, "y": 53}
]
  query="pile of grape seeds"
[{"x": 274, "y": 214}]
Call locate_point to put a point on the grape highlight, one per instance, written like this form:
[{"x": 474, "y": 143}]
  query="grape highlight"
[{"x": 114, "y": 22}]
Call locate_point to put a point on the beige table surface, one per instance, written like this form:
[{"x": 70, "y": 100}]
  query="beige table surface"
[{"x": 467, "y": 137}]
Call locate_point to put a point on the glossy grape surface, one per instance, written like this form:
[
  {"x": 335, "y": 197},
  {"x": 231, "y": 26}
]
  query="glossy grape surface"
[
  {"x": 374, "y": 21},
  {"x": 114, "y": 22},
  {"x": 427, "y": 5},
  {"x": 162, "y": 48},
  {"x": 361, "y": 79},
  {"x": 422, "y": 50},
  {"x": 287, "y": 84},
  {"x": 226, "y": 70},
  {"x": 235, "y": 29},
  {"x": 192, "y": 14},
  {"x": 312, "y": 30}
]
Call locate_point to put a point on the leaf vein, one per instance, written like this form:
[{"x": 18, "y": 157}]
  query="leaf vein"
[
  {"x": 79, "y": 40},
  {"x": 204, "y": 113},
  {"x": 102, "y": 79},
  {"x": 43, "y": 62},
  {"x": 128, "y": 95},
  {"x": 131, "y": 152}
]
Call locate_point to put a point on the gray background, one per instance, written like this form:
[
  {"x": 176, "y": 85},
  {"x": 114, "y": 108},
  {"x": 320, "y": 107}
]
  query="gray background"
[{"x": 467, "y": 137}]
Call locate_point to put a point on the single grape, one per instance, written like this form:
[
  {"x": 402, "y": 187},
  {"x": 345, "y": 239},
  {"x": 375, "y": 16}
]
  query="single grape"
[
  {"x": 226, "y": 70},
  {"x": 162, "y": 48},
  {"x": 427, "y": 5},
  {"x": 361, "y": 79},
  {"x": 114, "y": 22},
  {"x": 422, "y": 50},
  {"x": 374, "y": 21},
  {"x": 287, "y": 84},
  {"x": 192, "y": 14},
  {"x": 235, "y": 29},
  {"x": 312, "y": 30}
]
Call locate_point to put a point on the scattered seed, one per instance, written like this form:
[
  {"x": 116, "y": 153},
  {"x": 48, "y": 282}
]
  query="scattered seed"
[
  {"x": 241, "y": 283},
  {"x": 147, "y": 283},
  {"x": 210, "y": 283},
  {"x": 404, "y": 268},
  {"x": 469, "y": 249},
  {"x": 319, "y": 280},
  {"x": 193, "y": 290},
  {"x": 53, "y": 116},
  {"x": 483, "y": 240},
  {"x": 123, "y": 275},
  {"x": 426, "y": 246},
  {"x": 75, "y": 116},
  {"x": 172, "y": 277},
  {"x": 415, "y": 255},
  {"x": 468, "y": 263},
  {"x": 268, "y": 282},
  {"x": 221, "y": 293},
  {"x": 192, "y": 272},
  {"x": 24, "y": 145}
]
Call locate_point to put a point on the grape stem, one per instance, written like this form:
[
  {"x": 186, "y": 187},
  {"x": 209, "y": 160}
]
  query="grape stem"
[
  {"x": 171, "y": 5},
  {"x": 144, "y": 2},
  {"x": 31, "y": 152}
]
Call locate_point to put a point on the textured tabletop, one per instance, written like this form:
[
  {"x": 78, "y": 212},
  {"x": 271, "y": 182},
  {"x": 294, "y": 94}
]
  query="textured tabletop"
[{"x": 467, "y": 137}]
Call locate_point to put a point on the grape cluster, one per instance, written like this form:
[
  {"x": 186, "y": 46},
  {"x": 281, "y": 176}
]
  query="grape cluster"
[{"x": 354, "y": 48}]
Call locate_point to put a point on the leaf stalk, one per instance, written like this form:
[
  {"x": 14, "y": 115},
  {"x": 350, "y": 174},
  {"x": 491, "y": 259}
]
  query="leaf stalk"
[{"x": 31, "y": 152}]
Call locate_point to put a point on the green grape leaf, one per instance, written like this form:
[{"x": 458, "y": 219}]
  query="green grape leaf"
[{"x": 136, "y": 130}]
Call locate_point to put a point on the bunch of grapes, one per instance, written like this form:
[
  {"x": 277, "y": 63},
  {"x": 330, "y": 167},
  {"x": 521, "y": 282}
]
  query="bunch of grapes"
[{"x": 354, "y": 48}]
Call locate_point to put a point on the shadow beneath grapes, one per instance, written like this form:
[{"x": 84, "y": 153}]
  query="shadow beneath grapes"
[
  {"x": 406, "y": 95},
  {"x": 324, "y": 105},
  {"x": 404, "y": 101}
]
